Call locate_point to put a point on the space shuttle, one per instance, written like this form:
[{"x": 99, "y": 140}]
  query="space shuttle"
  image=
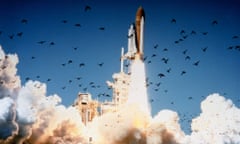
[{"x": 135, "y": 37}]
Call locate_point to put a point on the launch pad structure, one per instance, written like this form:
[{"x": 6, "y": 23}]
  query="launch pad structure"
[{"x": 121, "y": 81}]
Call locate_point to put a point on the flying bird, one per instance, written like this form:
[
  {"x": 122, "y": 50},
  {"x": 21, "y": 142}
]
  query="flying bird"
[
  {"x": 235, "y": 37},
  {"x": 183, "y": 72},
  {"x": 24, "y": 21},
  {"x": 196, "y": 63},
  {"x": 81, "y": 64},
  {"x": 101, "y": 64},
  {"x": 154, "y": 55},
  {"x": 11, "y": 36},
  {"x": 204, "y": 33},
  {"x": 158, "y": 84},
  {"x": 168, "y": 70},
  {"x": 182, "y": 32},
  {"x": 156, "y": 46},
  {"x": 20, "y": 34},
  {"x": 161, "y": 75},
  {"x": 165, "y": 60},
  {"x": 64, "y": 21},
  {"x": 87, "y": 8},
  {"x": 185, "y": 51},
  {"x": 78, "y": 25},
  {"x": 145, "y": 58},
  {"x": 52, "y": 43},
  {"x": 41, "y": 42},
  {"x": 165, "y": 49},
  {"x": 193, "y": 32},
  {"x": 101, "y": 28},
  {"x": 187, "y": 58},
  {"x": 204, "y": 49},
  {"x": 78, "y": 78},
  {"x": 215, "y": 22},
  {"x": 173, "y": 20}
]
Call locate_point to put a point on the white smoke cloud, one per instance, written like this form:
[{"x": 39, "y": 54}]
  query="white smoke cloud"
[
  {"x": 27, "y": 115},
  {"x": 218, "y": 123},
  {"x": 164, "y": 128}
]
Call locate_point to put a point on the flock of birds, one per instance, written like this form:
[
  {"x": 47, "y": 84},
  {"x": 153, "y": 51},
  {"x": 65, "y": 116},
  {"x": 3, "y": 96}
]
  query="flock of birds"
[{"x": 158, "y": 56}]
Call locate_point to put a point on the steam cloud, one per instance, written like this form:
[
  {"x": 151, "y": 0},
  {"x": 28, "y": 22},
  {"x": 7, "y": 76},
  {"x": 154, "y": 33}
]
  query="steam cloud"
[{"x": 28, "y": 116}]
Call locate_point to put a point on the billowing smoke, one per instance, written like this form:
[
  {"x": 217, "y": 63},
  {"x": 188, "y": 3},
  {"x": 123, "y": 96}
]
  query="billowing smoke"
[{"x": 29, "y": 116}]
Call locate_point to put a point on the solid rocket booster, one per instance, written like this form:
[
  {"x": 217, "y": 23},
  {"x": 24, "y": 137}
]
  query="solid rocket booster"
[
  {"x": 135, "y": 37},
  {"x": 140, "y": 18}
]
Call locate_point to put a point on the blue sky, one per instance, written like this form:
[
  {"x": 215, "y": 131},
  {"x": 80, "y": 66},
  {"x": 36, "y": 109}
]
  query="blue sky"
[{"x": 57, "y": 61}]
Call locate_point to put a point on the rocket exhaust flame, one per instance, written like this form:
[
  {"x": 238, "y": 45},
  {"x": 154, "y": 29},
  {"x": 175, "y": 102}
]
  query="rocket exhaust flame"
[{"x": 137, "y": 88}]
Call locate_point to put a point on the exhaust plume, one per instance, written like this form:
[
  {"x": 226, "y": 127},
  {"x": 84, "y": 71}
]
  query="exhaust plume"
[{"x": 28, "y": 115}]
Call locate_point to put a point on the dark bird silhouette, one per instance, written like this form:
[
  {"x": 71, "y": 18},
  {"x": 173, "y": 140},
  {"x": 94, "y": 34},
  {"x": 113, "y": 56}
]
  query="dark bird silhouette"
[
  {"x": 173, "y": 20},
  {"x": 154, "y": 55},
  {"x": 101, "y": 64},
  {"x": 145, "y": 58},
  {"x": 180, "y": 40},
  {"x": 87, "y": 8},
  {"x": 64, "y": 21},
  {"x": 52, "y": 43},
  {"x": 70, "y": 61},
  {"x": 237, "y": 47},
  {"x": 101, "y": 28},
  {"x": 204, "y": 33},
  {"x": 183, "y": 72},
  {"x": 158, "y": 84},
  {"x": 63, "y": 64},
  {"x": 185, "y": 51},
  {"x": 78, "y": 25},
  {"x": 149, "y": 62},
  {"x": 75, "y": 48},
  {"x": 196, "y": 63},
  {"x": 165, "y": 49},
  {"x": 235, "y": 37},
  {"x": 161, "y": 75},
  {"x": 33, "y": 57},
  {"x": 185, "y": 36},
  {"x": 27, "y": 78},
  {"x": 11, "y": 36},
  {"x": 20, "y": 34},
  {"x": 151, "y": 100},
  {"x": 193, "y": 32},
  {"x": 230, "y": 47},
  {"x": 187, "y": 58},
  {"x": 165, "y": 60},
  {"x": 48, "y": 80},
  {"x": 182, "y": 32},
  {"x": 169, "y": 70},
  {"x": 41, "y": 42},
  {"x": 81, "y": 64},
  {"x": 215, "y": 22},
  {"x": 204, "y": 49},
  {"x": 24, "y": 21},
  {"x": 78, "y": 78},
  {"x": 155, "y": 46}
]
